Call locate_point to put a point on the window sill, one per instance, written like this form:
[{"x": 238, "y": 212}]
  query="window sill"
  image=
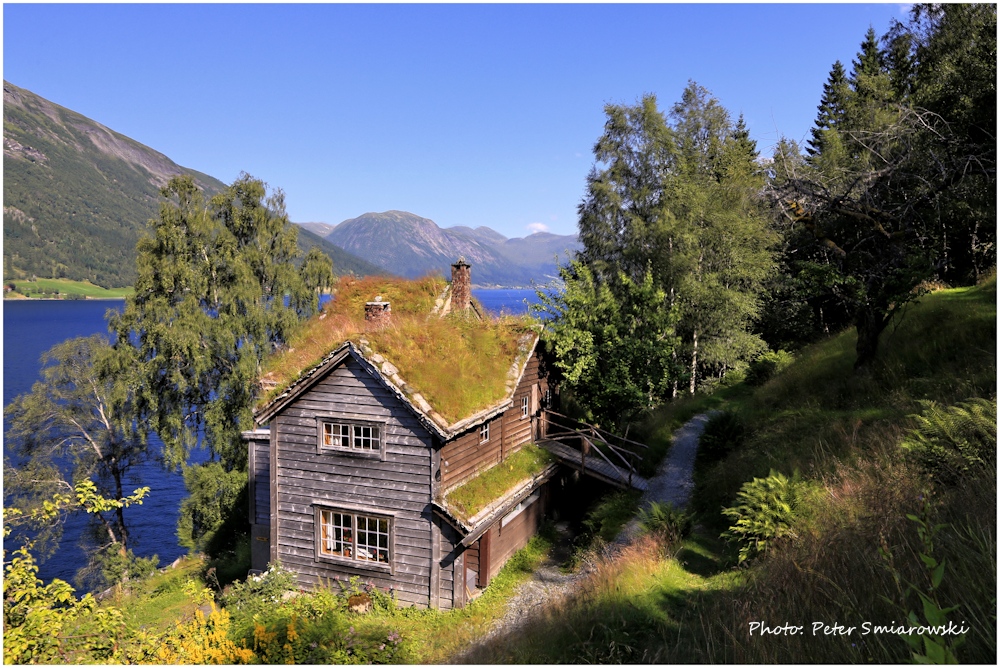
[
  {"x": 347, "y": 452},
  {"x": 379, "y": 566}
]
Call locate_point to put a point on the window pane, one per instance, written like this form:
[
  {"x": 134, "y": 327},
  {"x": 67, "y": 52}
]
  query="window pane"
[
  {"x": 373, "y": 539},
  {"x": 366, "y": 437},
  {"x": 335, "y": 535},
  {"x": 336, "y": 435}
]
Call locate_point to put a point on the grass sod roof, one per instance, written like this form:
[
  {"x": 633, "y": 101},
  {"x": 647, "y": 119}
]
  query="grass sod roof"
[
  {"x": 457, "y": 364},
  {"x": 468, "y": 501}
]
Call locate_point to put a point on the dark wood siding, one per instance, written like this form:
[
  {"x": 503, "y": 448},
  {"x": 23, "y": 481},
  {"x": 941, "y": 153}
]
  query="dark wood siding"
[
  {"x": 505, "y": 541},
  {"x": 260, "y": 461},
  {"x": 396, "y": 486},
  {"x": 466, "y": 456},
  {"x": 516, "y": 428},
  {"x": 448, "y": 549}
]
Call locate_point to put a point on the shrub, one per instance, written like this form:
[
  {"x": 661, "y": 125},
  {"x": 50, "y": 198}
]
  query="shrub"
[
  {"x": 764, "y": 512},
  {"x": 259, "y": 591},
  {"x": 950, "y": 442},
  {"x": 768, "y": 365},
  {"x": 672, "y": 524},
  {"x": 723, "y": 433}
]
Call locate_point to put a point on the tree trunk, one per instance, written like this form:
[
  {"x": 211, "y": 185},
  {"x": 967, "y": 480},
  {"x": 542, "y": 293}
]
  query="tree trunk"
[
  {"x": 694, "y": 363},
  {"x": 870, "y": 322}
]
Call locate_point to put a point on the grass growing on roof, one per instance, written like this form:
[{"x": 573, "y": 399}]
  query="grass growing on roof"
[
  {"x": 458, "y": 364},
  {"x": 468, "y": 499}
]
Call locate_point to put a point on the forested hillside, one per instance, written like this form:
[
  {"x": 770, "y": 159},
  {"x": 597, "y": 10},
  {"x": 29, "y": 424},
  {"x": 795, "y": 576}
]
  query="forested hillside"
[{"x": 77, "y": 196}]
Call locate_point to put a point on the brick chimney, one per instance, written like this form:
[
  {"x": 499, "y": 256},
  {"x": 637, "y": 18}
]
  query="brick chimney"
[
  {"x": 461, "y": 285},
  {"x": 377, "y": 313}
]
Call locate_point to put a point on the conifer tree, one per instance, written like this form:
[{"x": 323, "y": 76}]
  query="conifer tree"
[{"x": 831, "y": 108}]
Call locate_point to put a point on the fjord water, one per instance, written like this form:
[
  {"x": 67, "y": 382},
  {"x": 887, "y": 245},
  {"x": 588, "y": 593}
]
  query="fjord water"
[{"x": 31, "y": 327}]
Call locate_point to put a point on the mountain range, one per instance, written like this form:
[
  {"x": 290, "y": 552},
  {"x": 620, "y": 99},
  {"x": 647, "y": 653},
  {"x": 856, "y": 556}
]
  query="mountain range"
[
  {"x": 407, "y": 244},
  {"x": 78, "y": 195}
]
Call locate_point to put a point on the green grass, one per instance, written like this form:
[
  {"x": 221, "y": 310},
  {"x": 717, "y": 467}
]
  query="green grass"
[
  {"x": 159, "y": 602},
  {"x": 60, "y": 288},
  {"x": 471, "y": 497},
  {"x": 853, "y": 551}
]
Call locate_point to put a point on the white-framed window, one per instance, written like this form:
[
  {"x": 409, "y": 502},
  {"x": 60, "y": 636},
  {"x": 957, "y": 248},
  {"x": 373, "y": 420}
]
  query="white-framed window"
[
  {"x": 350, "y": 437},
  {"x": 518, "y": 509},
  {"x": 353, "y": 536},
  {"x": 484, "y": 432},
  {"x": 524, "y": 406}
]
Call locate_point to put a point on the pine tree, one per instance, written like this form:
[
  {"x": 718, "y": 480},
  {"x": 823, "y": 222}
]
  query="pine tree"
[{"x": 831, "y": 108}]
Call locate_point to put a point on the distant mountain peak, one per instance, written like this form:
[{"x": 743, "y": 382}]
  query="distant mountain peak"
[{"x": 411, "y": 245}]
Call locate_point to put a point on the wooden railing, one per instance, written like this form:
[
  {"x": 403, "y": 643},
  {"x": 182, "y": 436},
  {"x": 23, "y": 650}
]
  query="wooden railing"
[{"x": 591, "y": 439}]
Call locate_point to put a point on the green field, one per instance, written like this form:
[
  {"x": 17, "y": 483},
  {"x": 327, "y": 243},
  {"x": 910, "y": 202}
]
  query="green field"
[{"x": 60, "y": 288}]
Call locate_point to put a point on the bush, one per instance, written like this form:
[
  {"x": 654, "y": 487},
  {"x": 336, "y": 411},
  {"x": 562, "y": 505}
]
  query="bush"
[
  {"x": 109, "y": 566},
  {"x": 723, "y": 434},
  {"x": 259, "y": 591},
  {"x": 950, "y": 442},
  {"x": 672, "y": 524},
  {"x": 768, "y": 365},
  {"x": 764, "y": 512}
]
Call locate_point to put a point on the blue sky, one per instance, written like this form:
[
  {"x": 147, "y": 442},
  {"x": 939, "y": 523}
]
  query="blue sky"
[{"x": 465, "y": 114}]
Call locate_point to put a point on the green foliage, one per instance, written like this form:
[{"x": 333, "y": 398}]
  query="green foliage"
[
  {"x": 951, "y": 442},
  {"x": 677, "y": 206},
  {"x": 47, "y": 623},
  {"x": 614, "y": 350},
  {"x": 110, "y": 565},
  {"x": 931, "y": 647},
  {"x": 767, "y": 366},
  {"x": 610, "y": 515},
  {"x": 900, "y": 183},
  {"x": 259, "y": 592},
  {"x": 209, "y": 305},
  {"x": 724, "y": 432},
  {"x": 671, "y": 524},
  {"x": 765, "y": 511},
  {"x": 214, "y": 514},
  {"x": 74, "y": 426}
]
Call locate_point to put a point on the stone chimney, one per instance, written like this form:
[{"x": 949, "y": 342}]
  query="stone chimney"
[
  {"x": 377, "y": 314},
  {"x": 461, "y": 285}
]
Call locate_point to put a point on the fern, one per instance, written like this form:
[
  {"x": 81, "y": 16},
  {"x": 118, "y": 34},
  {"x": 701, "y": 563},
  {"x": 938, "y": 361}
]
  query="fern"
[
  {"x": 764, "y": 512},
  {"x": 950, "y": 442}
]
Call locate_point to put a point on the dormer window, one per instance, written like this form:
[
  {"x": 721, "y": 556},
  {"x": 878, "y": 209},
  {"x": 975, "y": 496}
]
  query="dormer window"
[{"x": 484, "y": 432}]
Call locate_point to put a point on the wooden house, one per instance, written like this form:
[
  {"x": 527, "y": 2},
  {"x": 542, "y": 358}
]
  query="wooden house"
[{"x": 357, "y": 468}]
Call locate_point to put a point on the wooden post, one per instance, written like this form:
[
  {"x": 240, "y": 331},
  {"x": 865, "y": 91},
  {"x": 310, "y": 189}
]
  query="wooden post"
[{"x": 584, "y": 449}]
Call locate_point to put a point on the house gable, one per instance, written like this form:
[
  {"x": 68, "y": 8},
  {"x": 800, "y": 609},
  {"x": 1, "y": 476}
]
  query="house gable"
[{"x": 313, "y": 484}]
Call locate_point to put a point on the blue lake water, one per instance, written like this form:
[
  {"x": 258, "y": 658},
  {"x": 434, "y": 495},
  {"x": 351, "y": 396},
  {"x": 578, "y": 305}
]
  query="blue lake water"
[{"x": 32, "y": 327}]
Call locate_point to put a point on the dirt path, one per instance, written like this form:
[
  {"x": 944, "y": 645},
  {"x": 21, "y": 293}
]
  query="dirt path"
[{"x": 672, "y": 483}]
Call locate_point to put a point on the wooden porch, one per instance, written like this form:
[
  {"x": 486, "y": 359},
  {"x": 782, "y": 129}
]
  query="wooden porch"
[{"x": 591, "y": 450}]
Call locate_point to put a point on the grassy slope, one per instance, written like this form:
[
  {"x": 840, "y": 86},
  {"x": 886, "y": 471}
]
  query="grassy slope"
[{"x": 841, "y": 430}]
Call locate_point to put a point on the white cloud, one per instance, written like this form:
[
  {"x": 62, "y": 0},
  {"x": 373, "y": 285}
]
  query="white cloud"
[{"x": 534, "y": 228}]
